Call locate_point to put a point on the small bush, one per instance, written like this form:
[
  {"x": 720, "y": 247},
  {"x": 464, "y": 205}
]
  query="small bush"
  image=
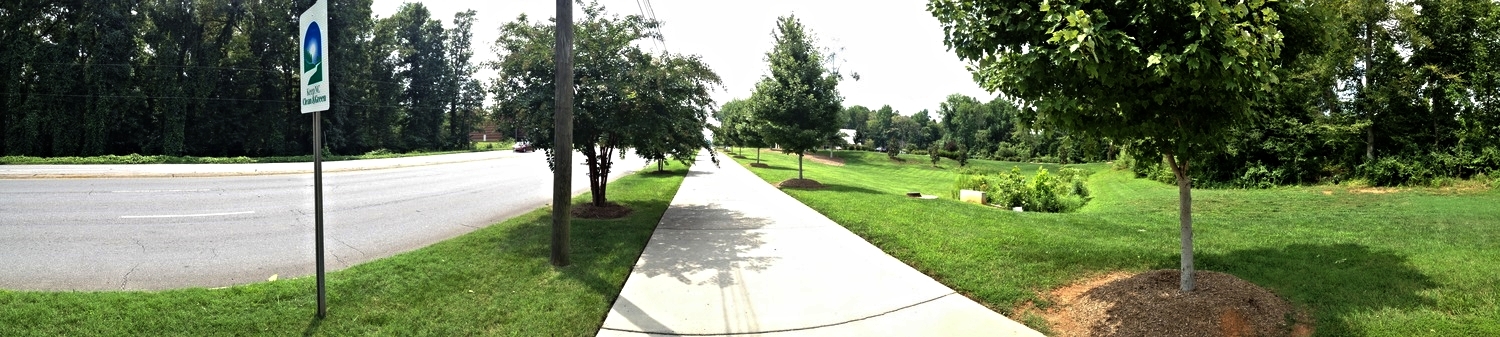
[
  {"x": 963, "y": 155},
  {"x": 1064, "y": 192},
  {"x": 379, "y": 152},
  {"x": 1125, "y": 161},
  {"x": 934, "y": 154},
  {"x": 1395, "y": 171}
]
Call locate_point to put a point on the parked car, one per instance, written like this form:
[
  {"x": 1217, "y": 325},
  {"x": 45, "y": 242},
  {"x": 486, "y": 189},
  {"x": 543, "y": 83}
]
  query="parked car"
[{"x": 522, "y": 147}]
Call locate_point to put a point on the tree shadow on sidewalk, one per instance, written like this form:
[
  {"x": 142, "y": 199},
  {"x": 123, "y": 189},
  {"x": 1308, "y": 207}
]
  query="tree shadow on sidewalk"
[
  {"x": 705, "y": 244},
  {"x": 1333, "y": 281}
]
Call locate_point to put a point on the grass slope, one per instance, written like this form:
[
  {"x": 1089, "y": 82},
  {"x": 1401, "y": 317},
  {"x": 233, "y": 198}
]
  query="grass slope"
[
  {"x": 494, "y": 281},
  {"x": 1419, "y": 262}
]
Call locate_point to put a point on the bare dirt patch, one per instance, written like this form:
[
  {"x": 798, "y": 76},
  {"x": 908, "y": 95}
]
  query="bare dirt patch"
[
  {"x": 1149, "y": 304},
  {"x": 1375, "y": 190},
  {"x": 800, "y": 183},
  {"x": 610, "y": 210},
  {"x": 825, "y": 160}
]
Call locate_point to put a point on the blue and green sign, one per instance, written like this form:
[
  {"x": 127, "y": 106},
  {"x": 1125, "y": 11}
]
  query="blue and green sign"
[{"x": 314, "y": 57}]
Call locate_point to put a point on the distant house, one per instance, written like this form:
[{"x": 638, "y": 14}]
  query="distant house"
[
  {"x": 487, "y": 132},
  {"x": 848, "y": 135}
]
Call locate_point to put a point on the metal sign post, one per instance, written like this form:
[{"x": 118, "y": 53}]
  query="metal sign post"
[{"x": 314, "y": 56}]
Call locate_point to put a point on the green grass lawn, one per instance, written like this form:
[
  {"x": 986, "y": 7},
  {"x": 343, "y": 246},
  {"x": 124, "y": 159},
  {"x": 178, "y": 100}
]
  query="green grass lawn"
[
  {"x": 1418, "y": 262},
  {"x": 494, "y": 281},
  {"x": 163, "y": 159}
]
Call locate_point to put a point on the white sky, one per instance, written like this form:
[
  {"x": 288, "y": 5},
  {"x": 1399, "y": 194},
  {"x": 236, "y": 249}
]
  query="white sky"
[{"x": 895, "y": 46}]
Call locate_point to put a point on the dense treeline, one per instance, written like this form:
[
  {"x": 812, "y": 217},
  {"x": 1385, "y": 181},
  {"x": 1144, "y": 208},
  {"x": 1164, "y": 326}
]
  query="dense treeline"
[
  {"x": 1397, "y": 93},
  {"x": 218, "y": 78},
  {"x": 966, "y": 127}
]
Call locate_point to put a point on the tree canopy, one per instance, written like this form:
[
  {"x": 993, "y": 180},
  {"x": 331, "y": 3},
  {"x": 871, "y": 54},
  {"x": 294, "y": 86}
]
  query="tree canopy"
[
  {"x": 797, "y": 106},
  {"x": 1173, "y": 75},
  {"x": 626, "y": 98}
]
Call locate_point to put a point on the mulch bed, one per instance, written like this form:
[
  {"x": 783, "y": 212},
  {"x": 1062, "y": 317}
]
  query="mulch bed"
[
  {"x": 800, "y": 183},
  {"x": 1149, "y": 304},
  {"x": 761, "y": 165},
  {"x": 610, "y": 210}
]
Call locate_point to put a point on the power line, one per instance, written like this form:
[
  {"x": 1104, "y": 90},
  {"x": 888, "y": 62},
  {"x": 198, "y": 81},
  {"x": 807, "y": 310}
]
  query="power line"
[
  {"x": 649, "y": 12},
  {"x": 212, "y": 99}
]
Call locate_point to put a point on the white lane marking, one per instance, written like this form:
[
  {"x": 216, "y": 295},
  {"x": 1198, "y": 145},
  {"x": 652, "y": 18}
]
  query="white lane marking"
[
  {"x": 183, "y": 215},
  {"x": 160, "y": 191}
]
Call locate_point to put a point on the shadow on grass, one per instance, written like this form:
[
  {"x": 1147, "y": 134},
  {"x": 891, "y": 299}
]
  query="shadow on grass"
[
  {"x": 312, "y": 326},
  {"x": 1333, "y": 281},
  {"x": 773, "y": 167},
  {"x": 846, "y": 188}
]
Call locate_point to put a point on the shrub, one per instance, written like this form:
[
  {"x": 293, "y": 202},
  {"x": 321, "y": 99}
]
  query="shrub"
[
  {"x": 1011, "y": 190},
  {"x": 1125, "y": 161},
  {"x": 963, "y": 155},
  {"x": 1395, "y": 171},
  {"x": 934, "y": 154},
  {"x": 1044, "y": 192}
]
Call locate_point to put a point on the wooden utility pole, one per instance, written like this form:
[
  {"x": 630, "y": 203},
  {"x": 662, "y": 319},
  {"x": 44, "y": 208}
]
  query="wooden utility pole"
[{"x": 562, "y": 140}]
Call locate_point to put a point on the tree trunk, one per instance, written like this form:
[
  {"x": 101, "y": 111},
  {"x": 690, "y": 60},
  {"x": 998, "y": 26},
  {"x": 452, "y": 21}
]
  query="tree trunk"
[
  {"x": 1184, "y": 217},
  {"x": 799, "y": 166},
  {"x": 757, "y": 155},
  {"x": 659, "y": 166},
  {"x": 1364, "y": 90}
]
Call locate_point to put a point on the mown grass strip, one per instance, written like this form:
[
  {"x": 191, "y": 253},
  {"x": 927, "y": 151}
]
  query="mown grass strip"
[
  {"x": 493, "y": 281},
  {"x": 1416, "y": 262}
]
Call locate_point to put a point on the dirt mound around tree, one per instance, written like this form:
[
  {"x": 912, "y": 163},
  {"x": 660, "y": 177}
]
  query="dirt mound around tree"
[
  {"x": 1149, "y": 304},
  {"x": 610, "y": 210},
  {"x": 800, "y": 183}
]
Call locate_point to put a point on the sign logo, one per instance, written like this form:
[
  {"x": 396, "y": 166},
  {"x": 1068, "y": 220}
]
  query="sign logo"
[
  {"x": 314, "y": 55},
  {"x": 312, "y": 47}
]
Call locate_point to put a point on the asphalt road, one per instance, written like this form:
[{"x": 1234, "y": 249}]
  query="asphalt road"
[{"x": 163, "y": 233}]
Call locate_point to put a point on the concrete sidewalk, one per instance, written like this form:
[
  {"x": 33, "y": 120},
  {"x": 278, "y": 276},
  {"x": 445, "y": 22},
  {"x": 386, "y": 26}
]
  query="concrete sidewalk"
[
  {"x": 219, "y": 170},
  {"x": 735, "y": 256}
]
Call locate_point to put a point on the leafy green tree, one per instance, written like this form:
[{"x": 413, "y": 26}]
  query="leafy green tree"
[
  {"x": 927, "y": 130},
  {"x": 796, "y": 106},
  {"x": 465, "y": 94},
  {"x": 962, "y": 118},
  {"x": 673, "y": 98},
  {"x": 1174, "y": 75},
  {"x": 1373, "y": 33},
  {"x": 903, "y": 132},
  {"x": 421, "y": 65},
  {"x": 740, "y": 126},
  {"x": 879, "y": 126},
  {"x": 626, "y": 98}
]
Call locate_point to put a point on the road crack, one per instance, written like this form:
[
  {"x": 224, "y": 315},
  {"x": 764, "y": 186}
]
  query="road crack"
[
  {"x": 126, "y": 278},
  {"x": 361, "y": 252}
]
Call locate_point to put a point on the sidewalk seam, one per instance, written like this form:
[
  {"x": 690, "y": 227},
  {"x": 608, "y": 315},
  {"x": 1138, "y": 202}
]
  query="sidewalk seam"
[{"x": 784, "y": 330}]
